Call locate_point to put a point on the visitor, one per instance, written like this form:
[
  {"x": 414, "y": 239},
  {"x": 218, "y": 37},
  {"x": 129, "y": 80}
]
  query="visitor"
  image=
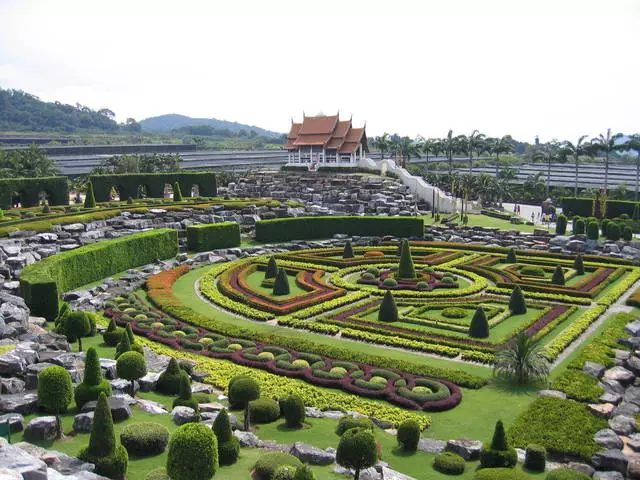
[{"x": 533, "y": 216}]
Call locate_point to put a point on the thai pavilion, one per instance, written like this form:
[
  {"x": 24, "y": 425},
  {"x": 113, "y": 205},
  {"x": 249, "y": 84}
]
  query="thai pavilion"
[{"x": 325, "y": 140}]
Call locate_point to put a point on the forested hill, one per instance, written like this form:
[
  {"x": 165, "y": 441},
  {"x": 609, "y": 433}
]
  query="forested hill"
[
  {"x": 173, "y": 121},
  {"x": 23, "y": 112}
]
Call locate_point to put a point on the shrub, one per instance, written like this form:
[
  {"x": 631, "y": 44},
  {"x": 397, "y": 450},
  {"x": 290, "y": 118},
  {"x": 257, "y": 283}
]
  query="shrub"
[
  {"x": 422, "y": 285},
  {"x": 566, "y": 474},
  {"x": 348, "y": 250},
  {"x": 578, "y": 265},
  {"x": 368, "y": 276},
  {"x": 193, "y": 453},
  {"x": 561, "y": 224},
  {"x": 177, "y": 193},
  {"x": 348, "y": 422},
  {"x": 185, "y": 398},
  {"x": 388, "y": 310},
  {"x": 90, "y": 199},
  {"x": 498, "y": 454},
  {"x": 157, "y": 474},
  {"x": 357, "y": 450},
  {"x": 373, "y": 271},
  {"x": 55, "y": 392},
  {"x": 264, "y": 410},
  {"x": 338, "y": 371},
  {"x": 373, "y": 254},
  {"x": 304, "y": 473},
  {"x": 266, "y": 356},
  {"x": 284, "y": 472},
  {"x": 390, "y": 282},
  {"x": 281, "y": 285},
  {"x": 131, "y": 366},
  {"x": 292, "y": 408},
  {"x": 535, "y": 458},
  {"x": 408, "y": 435},
  {"x": 500, "y": 474},
  {"x": 212, "y": 236},
  {"x": 268, "y": 463},
  {"x": 110, "y": 460},
  {"x": 511, "y": 256},
  {"x": 613, "y": 231},
  {"x": 144, "y": 438},
  {"x": 627, "y": 233},
  {"x": 479, "y": 327},
  {"x": 272, "y": 268},
  {"x": 593, "y": 231},
  {"x": 127, "y": 343},
  {"x": 558, "y": 276},
  {"x": 406, "y": 268},
  {"x": 454, "y": 312},
  {"x": 112, "y": 334},
  {"x": 169, "y": 380},
  {"x": 532, "y": 271},
  {"x": 242, "y": 390},
  {"x": 93, "y": 383},
  {"x": 228, "y": 445},
  {"x": 517, "y": 304},
  {"x": 229, "y": 452},
  {"x": 76, "y": 326},
  {"x": 449, "y": 463}
]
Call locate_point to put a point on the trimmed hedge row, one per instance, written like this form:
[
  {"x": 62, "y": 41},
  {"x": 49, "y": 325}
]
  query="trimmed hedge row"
[
  {"x": 42, "y": 282},
  {"x": 211, "y": 236},
  {"x": 300, "y": 228},
  {"x": 56, "y": 188},
  {"x": 584, "y": 207}
]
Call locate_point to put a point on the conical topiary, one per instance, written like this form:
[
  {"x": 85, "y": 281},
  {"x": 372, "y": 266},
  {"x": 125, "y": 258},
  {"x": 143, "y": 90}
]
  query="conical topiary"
[
  {"x": 388, "y": 310},
  {"x": 93, "y": 383},
  {"x": 177, "y": 194},
  {"x": 517, "y": 304},
  {"x": 558, "y": 276},
  {"x": 498, "y": 454},
  {"x": 348, "y": 250},
  {"x": 90, "y": 199},
  {"x": 124, "y": 345},
  {"x": 169, "y": 380},
  {"x": 228, "y": 445},
  {"x": 185, "y": 398},
  {"x": 479, "y": 327},
  {"x": 281, "y": 285},
  {"x": 499, "y": 441},
  {"x": 129, "y": 331},
  {"x": 222, "y": 427},
  {"x": 578, "y": 265},
  {"x": 92, "y": 369},
  {"x": 272, "y": 268},
  {"x": 511, "y": 256},
  {"x": 406, "y": 268}
]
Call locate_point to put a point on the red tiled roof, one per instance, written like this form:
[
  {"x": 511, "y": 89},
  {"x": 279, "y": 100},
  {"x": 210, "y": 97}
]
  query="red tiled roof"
[
  {"x": 354, "y": 135},
  {"x": 326, "y": 131},
  {"x": 295, "y": 129},
  {"x": 319, "y": 139},
  {"x": 318, "y": 125},
  {"x": 349, "y": 147}
]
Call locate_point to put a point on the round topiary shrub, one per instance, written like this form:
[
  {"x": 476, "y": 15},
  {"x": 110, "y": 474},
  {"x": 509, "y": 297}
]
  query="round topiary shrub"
[
  {"x": 373, "y": 271},
  {"x": 422, "y": 285},
  {"x": 368, "y": 276},
  {"x": 390, "y": 282},
  {"x": 143, "y": 439},
  {"x": 304, "y": 473},
  {"x": 264, "y": 410},
  {"x": 228, "y": 445},
  {"x": 500, "y": 474},
  {"x": 112, "y": 334},
  {"x": 242, "y": 390},
  {"x": 532, "y": 271},
  {"x": 55, "y": 392},
  {"x": 206, "y": 341},
  {"x": 449, "y": 463},
  {"x": 169, "y": 380},
  {"x": 349, "y": 422},
  {"x": 292, "y": 407},
  {"x": 338, "y": 371},
  {"x": 266, "y": 356},
  {"x": 408, "y": 435},
  {"x": 613, "y": 231},
  {"x": 421, "y": 389},
  {"x": 267, "y": 464},
  {"x": 448, "y": 280},
  {"x": 284, "y": 472},
  {"x": 566, "y": 474},
  {"x": 535, "y": 458},
  {"x": 157, "y": 474},
  {"x": 131, "y": 366},
  {"x": 193, "y": 453},
  {"x": 300, "y": 363},
  {"x": 235, "y": 346},
  {"x": 454, "y": 312}
]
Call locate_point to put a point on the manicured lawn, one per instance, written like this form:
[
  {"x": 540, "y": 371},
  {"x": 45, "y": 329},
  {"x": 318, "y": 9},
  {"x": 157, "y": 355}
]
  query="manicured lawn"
[
  {"x": 478, "y": 220},
  {"x": 255, "y": 282}
]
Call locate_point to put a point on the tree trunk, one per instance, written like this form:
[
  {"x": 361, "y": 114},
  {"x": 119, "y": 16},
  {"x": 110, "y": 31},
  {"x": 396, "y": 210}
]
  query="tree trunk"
[
  {"x": 497, "y": 164},
  {"x": 637, "y": 174},
  {"x": 575, "y": 188},
  {"x": 79, "y": 344},
  {"x": 59, "y": 433},
  {"x": 247, "y": 422},
  {"x": 356, "y": 475},
  {"x": 606, "y": 172},
  {"x": 133, "y": 388}
]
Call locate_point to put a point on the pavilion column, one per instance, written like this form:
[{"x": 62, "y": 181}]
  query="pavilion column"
[{"x": 299, "y": 155}]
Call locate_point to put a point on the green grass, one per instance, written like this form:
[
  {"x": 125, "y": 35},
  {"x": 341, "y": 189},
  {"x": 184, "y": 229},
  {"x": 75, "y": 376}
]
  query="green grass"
[
  {"x": 254, "y": 280},
  {"x": 478, "y": 220}
]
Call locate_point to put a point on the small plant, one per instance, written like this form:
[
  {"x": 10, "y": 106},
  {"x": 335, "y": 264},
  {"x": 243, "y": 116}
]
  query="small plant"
[
  {"x": 131, "y": 366},
  {"x": 578, "y": 265},
  {"x": 454, "y": 312},
  {"x": 408, "y": 435},
  {"x": 532, "y": 271},
  {"x": 55, "y": 392},
  {"x": 193, "y": 453},
  {"x": 348, "y": 250},
  {"x": 93, "y": 384},
  {"x": 535, "y": 458},
  {"x": 144, "y": 438},
  {"x": 272, "y": 268},
  {"x": 498, "y": 454},
  {"x": 388, "y": 310},
  {"x": 177, "y": 193},
  {"x": 561, "y": 224},
  {"x": 112, "y": 334},
  {"x": 578, "y": 227},
  {"x": 357, "y": 450},
  {"x": 281, "y": 285},
  {"x": 267, "y": 464},
  {"x": 406, "y": 268},
  {"x": 449, "y": 463},
  {"x": 479, "y": 327},
  {"x": 511, "y": 256},
  {"x": 292, "y": 408},
  {"x": 89, "y": 199},
  {"x": 558, "y": 276},
  {"x": 264, "y": 410},
  {"x": 517, "y": 304},
  {"x": 390, "y": 282}
]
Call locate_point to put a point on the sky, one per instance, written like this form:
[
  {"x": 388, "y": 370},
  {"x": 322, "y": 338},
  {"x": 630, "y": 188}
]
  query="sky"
[{"x": 553, "y": 68}]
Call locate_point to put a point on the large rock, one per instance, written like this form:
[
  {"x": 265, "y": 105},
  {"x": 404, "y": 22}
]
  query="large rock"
[
  {"x": 60, "y": 462},
  {"x": 610, "y": 460},
  {"x": 553, "y": 394},
  {"x": 11, "y": 385},
  {"x": 466, "y": 448},
  {"x": 108, "y": 367},
  {"x": 632, "y": 394},
  {"x": 633, "y": 364},
  {"x": 582, "y": 468},
  {"x": 634, "y": 467},
  {"x": 607, "y": 438},
  {"x": 148, "y": 382},
  {"x": 83, "y": 422},
  {"x": 619, "y": 374},
  {"x": 593, "y": 369},
  {"x": 311, "y": 455},
  {"x": 31, "y": 378},
  {"x": 15, "y": 459},
  {"x": 54, "y": 341},
  {"x": 622, "y": 424},
  {"x": 429, "y": 445},
  {"x": 151, "y": 407},
  {"x": 610, "y": 475},
  {"x": 603, "y": 410},
  {"x": 182, "y": 415},
  {"x": 24, "y": 403},
  {"x": 247, "y": 439},
  {"x": 15, "y": 420},
  {"x": 633, "y": 328},
  {"x": 41, "y": 429},
  {"x": 119, "y": 408}
]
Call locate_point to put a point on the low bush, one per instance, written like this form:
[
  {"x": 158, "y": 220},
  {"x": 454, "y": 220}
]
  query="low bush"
[
  {"x": 348, "y": 422},
  {"x": 408, "y": 435},
  {"x": 304, "y": 473},
  {"x": 157, "y": 474},
  {"x": 498, "y": 454},
  {"x": 144, "y": 438},
  {"x": 169, "y": 380},
  {"x": 535, "y": 458},
  {"x": 284, "y": 472},
  {"x": 267, "y": 464},
  {"x": 264, "y": 410},
  {"x": 566, "y": 474},
  {"x": 500, "y": 474},
  {"x": 193, "y": 453},
  {"x": 292, "y": 407},
  {"x": 532, "y": 271},
  {"x": 212, "y": 236},
  {"x": 390, "y": 282},
  {"x": 454, "y": 312},
  {"x": 449, "y": 463}
]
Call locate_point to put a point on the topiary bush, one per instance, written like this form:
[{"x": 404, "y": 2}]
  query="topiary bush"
[
  {"x": 593, "y": 231},
  {"x": 408, "y": 435},
  {"x": 284, "y": 472},
  {"x": 112, "y": 334},
  {"x": 500, "y": 474},
  {"x": 558, "y": 276},
  {"x": 390, "y": 282},
  {"x": 566, "y": 474},
  {"x": 264, "y": 410},
  {"x": 479, "y": 327},
  {"x": 228, "y": 445},
  {"x": 388, "y": 311},
  {"x": 281, "y": 284},
  {"x": 242, "y": 390},
  {"x": 55, "y": 392},
  {"x": 348, "y": 250},
  {"x": 357, "y": 450},
  {"x": 93, "y": 383},
  {"x": 578, "y": 265},
  {"x": 185, "y": 397},
  {"x": 627, "y": 233},
  {"x": 517, "y": 304},
  {"x": 348, "y": 422},
  {"x": 169, "y": 380},
  {"x": 613, "y": 232},
  {"x": 131, "y": 366},
  {"x": 193, "y": 453},
  {"x": 304, "y": 473},
  {"x": 292, "y": 407},
  {"x": 449, "y": 463},
  {"x": 177, "y": 193},
  {"x": 157, "y": 474},
  {"x": 498, "y": 454},
  {"x": 561, "y": 224},
  {"x": 406, "y": 268},
  {"x": 532, "y": 271},
  {"x": 76, "y": 326},
  {"x": 272, "y": 268},
  {"x": 143, "y": 439},
  {"x": 511, "y": 256},
  {"x": 267, "y": 464},
  {"x": 535, "y": 458},
  {"x": 578, "y": 227}
]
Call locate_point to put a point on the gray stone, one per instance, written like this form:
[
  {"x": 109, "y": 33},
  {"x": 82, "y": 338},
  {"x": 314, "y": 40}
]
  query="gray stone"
[
  {"x": 610, "y": 460},
  {"x": 603, "y": 410},
  {"x": 389, "y": 474},
  {"x": 466, "y": 448},
  {"x": 16, "y": 460},
  {"x": 24, "y": 403},
  {"x": 182, "y": 415},
  {"x": 607, "y": 397},
  {"x": 633, "y": 328},
  {"x": 58, "y": 461},
  {"x": 15, "y": 420},
  {"x": 151, "y": 407},
  {"x": 633, "y": 363},
  {"x": 620, "y": 374},
  {"x": 610, "y": 475},
  {"x": 622, "y": 424},
  {"x": 120, "y": 385},
  {"x": 626, "y": 408},
  {"x": 119, "y": 408},
  {"x": 11, "y": 385},
  {"x": 54, "y": 341},
  {"x": 430, "y": 445},
  {"x": 335, "y": 414},
  {"x": 593, "y": 369},
  {"x": 553, "y": 394},
  {"x": 607, "y": 438},
  {"x": 633, "y": 470},
  {"x": 582, "y": 468},
  {"x": 612, "y": 386},
  {"x": 247, "y": 439},
  {"x": 313, "y": 412},
  {"x": 311, "y": 455},
  {"x": 197, "y": 387},
  {"x": 83, "y": 422},
  {"x": 108, "y": 367},
  {"x": 148, "y": 382},
  {"x": 41, "y": 429}
]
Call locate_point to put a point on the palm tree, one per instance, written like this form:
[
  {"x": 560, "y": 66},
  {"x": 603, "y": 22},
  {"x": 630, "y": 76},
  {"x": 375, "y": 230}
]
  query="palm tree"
[
  {"x": 607, "y": 145},
  {"x": 476, "y": 144},
  {"x": 522, "y": 360},
  {"x": 634, "y": 144},
  {"x": 498, "y": 146},
  {"x": 575, "y": 150},
  {"x": 485, "y": 186},
  {"x": 383, "y": 143},
  {"x": 506, "y": 176},
  {"x": 427, "y": 146},
  {"x": 548, "y": 153},
  {"x": 449, "y": 147},
  {"x": 407, "y": 148}
]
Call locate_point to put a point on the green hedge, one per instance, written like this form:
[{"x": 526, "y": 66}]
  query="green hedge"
[
  {"x": 42, "y": 282},
  {"x": 615, "y": 208},
  {"x": 56, "y": 189},
  {"x": 300, "y": 228},
  {"x": 582, "y": 207},
  {"x": 211, "y": 236},
  {"x": 127, "y": 184}
]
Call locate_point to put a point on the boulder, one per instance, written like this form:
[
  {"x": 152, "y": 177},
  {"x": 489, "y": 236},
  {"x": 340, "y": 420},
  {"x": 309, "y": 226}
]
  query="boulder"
[
  {"x": 54, "y": 341},
  {"x": 24, "y": 403},
  {"x": 16, "y": 460},
  {"x": 430, "y": 445},
  {"x": 610, "y": 460},
  {"x": 108, "y": 367},
  {"x": 311, "y": 455},
  {"x": 632, "y": 394},
  {"x": 247, "y": 439},
  {"x": 634, "y": 467},
  {"x": 619, "y": 374},
  {"x": 120, "y": 385},
  {"x": 11, "y": 385},
  {"x": 626, "y": 408},
  {"x": 151, "y": 407},
  {"x": 612, "y": 386},
  {"x": 148, "y": 382},
  {"x": 607, "y": 438},
  {"x": 593, "y": 369},
  {"x": 553, "y": 394},
  {"x": 633, "y": 364},
  {"x": 83, "y": 422},
  {"x": 58, "y": 461},
  {"x": 603, "y": 410},
  {"x": 15, "y": 420},
  {"x": 389, "y": 474},
  {"x": 466, "y": 448},
  {"x": 622, "y": 424},
  {"x": 610, "y": 475},
  {"x": 582, "y": 468},
  {"x": 607, "y": 397},
  {"x": 182, "y": 415},
  {"x": 313, "y": 412},
  {"x": 41, "y": 429},
  {"x": 31, "y": 378},
  {"x": 119, "y": 408},
  {"x": 633, "y": 328}
]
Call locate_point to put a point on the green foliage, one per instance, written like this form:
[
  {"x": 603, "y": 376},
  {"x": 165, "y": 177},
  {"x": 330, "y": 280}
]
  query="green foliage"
[
  {"x": 454, "y": 312},
  {"x": 388, "y": 311},
  {"x": 111, "y": 466},
  {"x": 498, "y": 454},
  {"x": 578, "y": 385},
  {"x": 281, "y": 285},
  {"x": 566, "y": 474},
  {"x": 578, "y": 227},
  {"x": 593, "y": 231},
  {"x": 157, "y": 474},
  {"x": 301, "y": 228},
  {"x": 131, "y": 366},
  {"x": 561, "y": 224},
  {"x": 185, "y": 398},
  {"x": 532, "y": 271},
  {"x": 517, "y": 303},
  {"x": 449, "y": 463},
  {"x": 348, "y": 422},
  {"x": 177, "y": 193},
  {"x": 222, "y": 427},
  {"x": 406, "y": 268},
  {"x": 54, "y": 389},
  {"x": 304, "y": 473},
  {"x": 193, "y": 453},
  {"x": 30, "y": 188},
  {"x": 348, "y": 250},
  {"x": 228, "y": 445},
  {"x": 613, "y": 231},
  {"x": 627, "y": 233},
  {"x": 124, "y": 345},
  {"x": 499, "y": 474},
  {"x": 511, "y": 256},
  {"x": 267, "y": 464},
  {"x": 558, "y": 276},
  {"x": 408, "y": 435},
  {"x": 357, "y": 450},
  {"x": 264, "y": 410},
  {"x": 578, "y": 265},
  {"x": 272, "y": 268},
  {"x": 169, "y": 380},
  {"x": 479, "y": 327},
  {"x": 90, "y": 199},
  {"x": 213, "y": 236},
  {"x": 284, "y": 472},
  {"x": 563, "y": 427},
  {"x": 292, "y": 407},
  {"x": 522, "y": 360},
  {"x": 242, "y": 391},
  {"x": 143, "y": 439},
  {"x": 93, "y": 384},
  {"x": 41, "y": 282},
  {"x": 112, "y": 334},
  {"x": 535, "y": 458},
  {"x": 76, "y": 326}
]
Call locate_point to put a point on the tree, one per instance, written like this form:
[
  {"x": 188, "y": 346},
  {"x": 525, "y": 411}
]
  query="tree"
[
  {"x": 406, "y": 268},
  {"x": 607, "y": 144},
  {"x": 131, "y": 366},
  {"x": 472, "y": 144},
  {"x": 185, "y": 398},
  {"x": 499, "y": 146},
  {"x": 548, "y": 153},
  {"x": 76, "y": 326},
  {"x": 111, "y": 460},
  {"x": 93, "y": 383},
  {"x": 177, "y": 194},
  {"x": 242, "y": 390},
  {"x": 292, "y": 408},
  {"x": 281, "y": 284},
  {"x": 479, "y": 327},
  {"x": 517, "y": 304},
  {"x": 558, "y": 276},
  {"x": 406, "y": 148},
  {"x": 450, "y": 146},
  {"x": 169, "y": 380},
  {"x": 357, "y": 450},
  {"x": 193, "y": 453},
  {"x": 521, "y": 361},
  {"x": 228, "y": 445},
  {"x": 576, "y": 151},
  {"x": 55, "y": 392},
  {"x": 634, "y": 144},
  {"x": 388, "y": 311},
  {"x": 383, "y": 143},
  {"x": 498, "y": 454},
  {"x": 348, "y": 250},
  {"x": 593, "y": 230},
  {"x": 132, "y": 126},
  {"x": 89, "y": 199},
  {"x": 272, "y": 268},
  {"x": 124, "y": 345},
  {"x": 578, "y": 265},
  {"x": 408, "y": 435}
]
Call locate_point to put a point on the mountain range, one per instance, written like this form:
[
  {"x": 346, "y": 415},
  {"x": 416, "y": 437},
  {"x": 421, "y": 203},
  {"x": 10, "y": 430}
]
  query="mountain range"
[{"x": 173, "y": 121}]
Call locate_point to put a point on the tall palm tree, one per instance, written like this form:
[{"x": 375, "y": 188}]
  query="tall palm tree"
[
  {"x": 634, "y": 144},
  {"x": 449, "y": 147},
  {"x": 478, "y": 145},
  {"x": 575, "y": 150},
  {"x": 504, "y": 180},
  {"x": 467, "y": 184},
  {"x": 383, "y": 143},
  {"x": 407, "y": 148},
  {"x": 548, "y": 153},
  {"x": 606, "y": 144},
  {"x": 485, "y": 185},
  {"x": 427, "y": 145},
  {"x": 521, "y": 361},
  {"x": 498, "y": 146}
]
